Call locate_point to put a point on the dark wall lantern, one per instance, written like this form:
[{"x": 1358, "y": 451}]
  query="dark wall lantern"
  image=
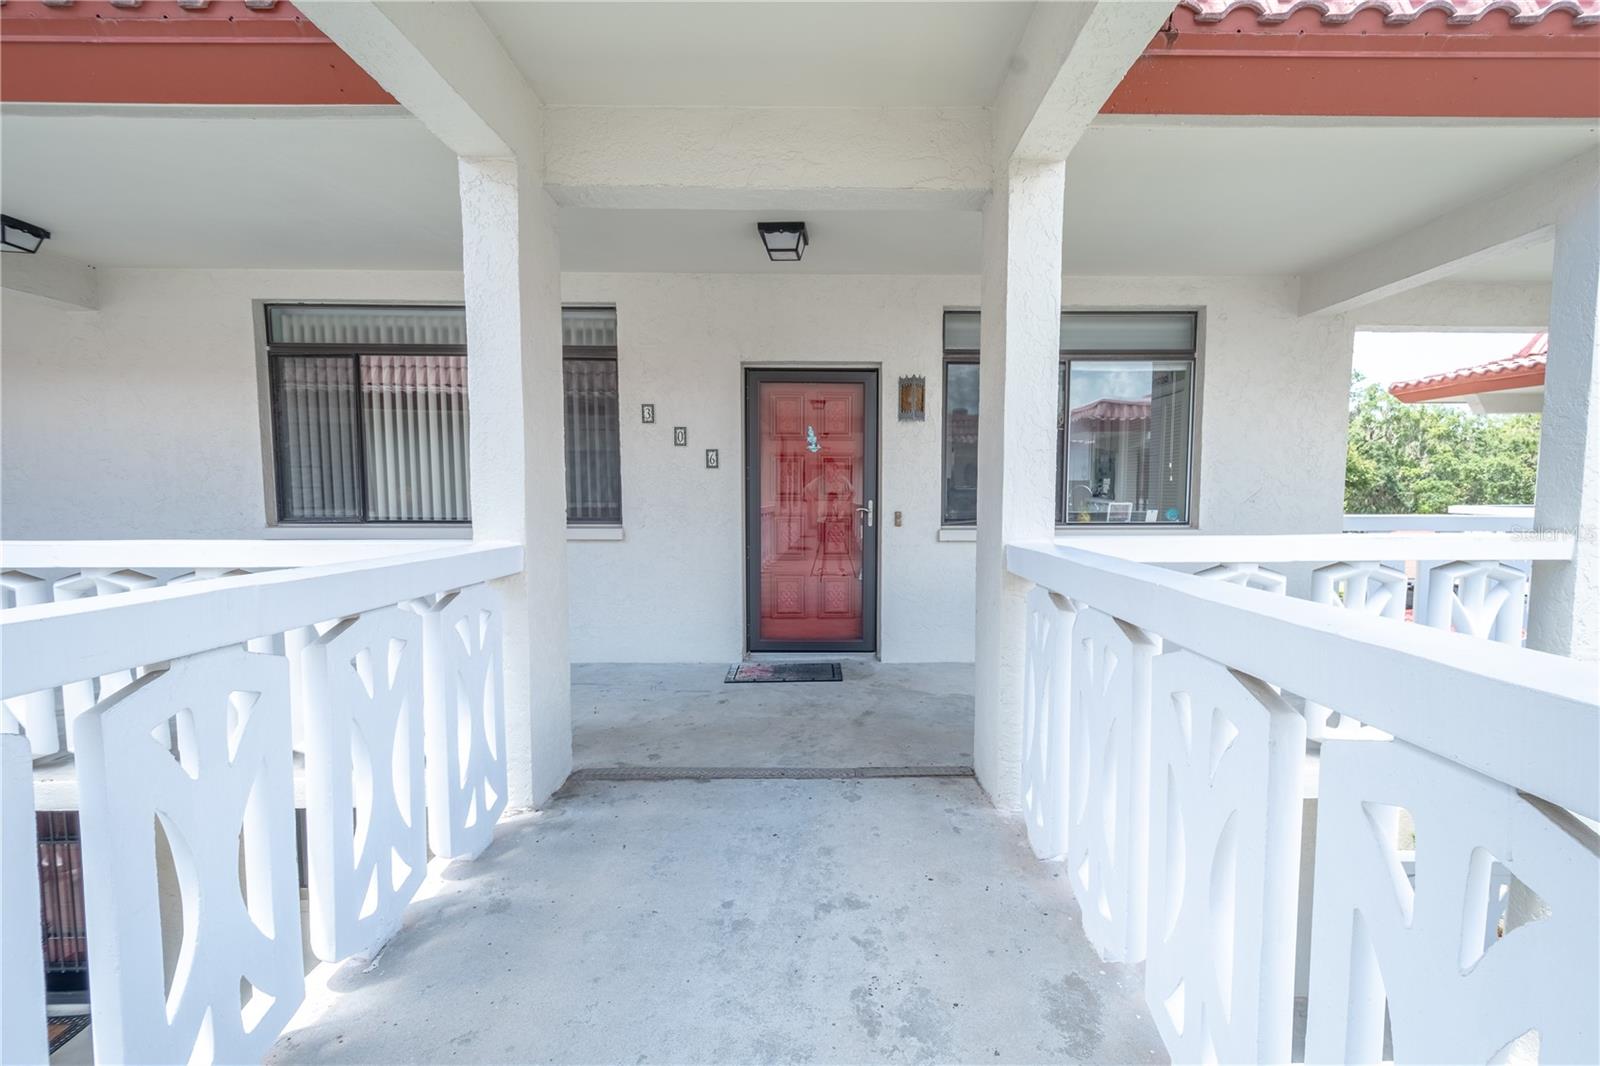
[
  {"x": 19, "y": 236},
  {"x": 785, "y": 241}
]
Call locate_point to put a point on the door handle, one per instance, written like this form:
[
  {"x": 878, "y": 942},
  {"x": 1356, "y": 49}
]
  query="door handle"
[{"x": 866, "y": 512}]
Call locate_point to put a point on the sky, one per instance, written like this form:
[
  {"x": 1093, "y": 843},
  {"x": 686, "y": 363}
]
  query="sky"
[{"x": 1390, "y": 357}]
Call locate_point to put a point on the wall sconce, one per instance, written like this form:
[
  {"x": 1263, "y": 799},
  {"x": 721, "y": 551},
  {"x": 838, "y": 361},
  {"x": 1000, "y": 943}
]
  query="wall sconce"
[
  {"x": 19, "y": 236},
  {"x": 785, "y": 241},
  {"x": 913, "y": 399}
]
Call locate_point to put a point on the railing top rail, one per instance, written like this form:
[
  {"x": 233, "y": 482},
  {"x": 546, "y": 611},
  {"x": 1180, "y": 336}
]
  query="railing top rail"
[
  {"x": 1321, "y": 547},
  {"x": 1524, "y": 717},
  {"x": 53, "y": 644},
  {"x": 1438, "y": 523},
  {"x": 190, "y": 554}
]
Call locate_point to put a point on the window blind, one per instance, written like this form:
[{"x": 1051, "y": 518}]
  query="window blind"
[
  {"x": 593, "y": 453},
  {"x": 414, "y": 410},
  {"x": 318, "y": 443}
]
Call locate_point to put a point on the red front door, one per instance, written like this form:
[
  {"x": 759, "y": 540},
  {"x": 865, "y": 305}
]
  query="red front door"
[{"x": 813, "y": 450}]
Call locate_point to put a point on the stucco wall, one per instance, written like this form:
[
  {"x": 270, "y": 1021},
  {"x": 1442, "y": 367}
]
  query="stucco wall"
[{"x": 143, "y": 420}]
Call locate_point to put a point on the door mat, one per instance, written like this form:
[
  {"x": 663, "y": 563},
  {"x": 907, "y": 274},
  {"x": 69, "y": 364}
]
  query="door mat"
[
  {"x": 755, "y": 673},
  {"x": 63, "y": 1027}
]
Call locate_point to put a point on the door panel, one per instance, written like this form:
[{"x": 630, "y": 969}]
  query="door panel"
[{"x": 811, "y": 456}]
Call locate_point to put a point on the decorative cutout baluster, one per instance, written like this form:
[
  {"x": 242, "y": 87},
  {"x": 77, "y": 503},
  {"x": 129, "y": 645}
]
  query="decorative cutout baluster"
[
  {"x": 22, "y": 1011},
  {"x": 34, "y": 712},
  {"x": 362, "y": 684},
  {"x": 1225, "y": 851},
  {"x": 1367, "y": 588},
  {"x": 1480, "y": 599},
  {"x": 1421, "y": 944},
  {"x": 1108, "y": 783},
  {"x": 1248, "y": 575},
  {"x": 222, "y": 794},
  {"x": 1046, "y": 711},
  {"x": 79, "y": 696},
  {"x": 464, "y": 725}
]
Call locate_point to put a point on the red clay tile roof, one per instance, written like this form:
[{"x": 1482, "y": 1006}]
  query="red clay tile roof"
[
  {"x": 1107, "y": 414},
  {"x": 1397, "y": 12},
  {"x": 1520, "y": 371}
]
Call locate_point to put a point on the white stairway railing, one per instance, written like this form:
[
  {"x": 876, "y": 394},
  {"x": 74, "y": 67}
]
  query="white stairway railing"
[
  {"x": 392, "y": 665},
  {"x": 1165, "y": 760}
]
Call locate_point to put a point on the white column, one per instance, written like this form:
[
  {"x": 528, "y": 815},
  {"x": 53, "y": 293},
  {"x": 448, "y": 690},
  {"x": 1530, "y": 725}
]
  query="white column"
[
  {"x": 1020, "y": 352},
  {"x": 511, "y": 271},
  {"x": 1564, "y": 609}
]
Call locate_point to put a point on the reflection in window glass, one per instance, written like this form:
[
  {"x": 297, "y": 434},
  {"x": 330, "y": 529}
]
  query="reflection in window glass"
[
  {"x": 960, "y": 443},
  {"x": 1125, "y": 441}
]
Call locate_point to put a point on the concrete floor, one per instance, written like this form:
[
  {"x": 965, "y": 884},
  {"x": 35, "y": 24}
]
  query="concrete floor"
[
  {"x": 684, "y": 715},
  {"x": 898, "y": 920}
]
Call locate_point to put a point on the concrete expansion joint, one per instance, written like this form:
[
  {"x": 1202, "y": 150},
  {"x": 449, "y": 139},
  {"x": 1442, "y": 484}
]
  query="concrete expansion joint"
[{"x": 759, "y": 773}]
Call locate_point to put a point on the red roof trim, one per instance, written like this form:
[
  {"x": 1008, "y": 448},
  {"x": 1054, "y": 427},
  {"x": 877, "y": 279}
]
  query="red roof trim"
[
  {"x": 1395, "y": 12},
  {"x": 1521, "y": 371},
  {"x": 1361, "y": 59},
  {"x": 165, "y": 52}
]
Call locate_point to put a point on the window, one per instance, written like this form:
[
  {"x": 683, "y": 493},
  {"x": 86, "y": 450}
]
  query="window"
[
  {"x": 369, "y": 413},
  {"x": 594, "y": 456},
  {"x": 1125, "y": 432}
]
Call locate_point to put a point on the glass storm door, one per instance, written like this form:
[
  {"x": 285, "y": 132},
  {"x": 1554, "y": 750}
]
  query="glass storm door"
[{"x": 811, "y": 454}]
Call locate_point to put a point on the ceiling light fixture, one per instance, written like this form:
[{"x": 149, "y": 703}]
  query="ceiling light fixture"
[
  {"x": 19, "y": 236},
  {"x": 785, "y": 241}
]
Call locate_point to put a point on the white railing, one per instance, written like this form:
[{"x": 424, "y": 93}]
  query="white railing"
[
  {"x": 185, "y": 775},
  {"x": 1474, "y": 582},
  {"x": 33, "y": 572},
  {"x": 1165, "y": 759}
]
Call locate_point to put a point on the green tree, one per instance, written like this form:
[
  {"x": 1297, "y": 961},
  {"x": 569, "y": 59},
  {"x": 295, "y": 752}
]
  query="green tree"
[{"x": 1424, "y": 458}]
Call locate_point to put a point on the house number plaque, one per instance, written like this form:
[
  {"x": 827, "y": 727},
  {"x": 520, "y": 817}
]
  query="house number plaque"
[{"x": 680, "y": 436}]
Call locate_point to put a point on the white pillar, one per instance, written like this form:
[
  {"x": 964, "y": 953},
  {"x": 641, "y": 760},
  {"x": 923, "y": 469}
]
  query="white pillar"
[
  {"x": 1019, "y": 354},
  {"x": 1564, "y": 608},
  {"x": 511, "y": 271}
]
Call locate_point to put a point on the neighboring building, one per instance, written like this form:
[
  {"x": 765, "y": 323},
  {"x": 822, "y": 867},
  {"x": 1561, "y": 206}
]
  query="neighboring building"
[
  {"x": 477, "y": 340},
  {"x": 1514, "y": 385}
]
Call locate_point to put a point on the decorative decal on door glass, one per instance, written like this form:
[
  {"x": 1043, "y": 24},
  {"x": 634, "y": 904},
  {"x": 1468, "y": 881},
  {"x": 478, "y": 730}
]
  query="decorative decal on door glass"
[{"x": 811, "y": 440}]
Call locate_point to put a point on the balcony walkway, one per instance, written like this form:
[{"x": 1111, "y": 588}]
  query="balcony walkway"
[{"x": 836, "y": 920}]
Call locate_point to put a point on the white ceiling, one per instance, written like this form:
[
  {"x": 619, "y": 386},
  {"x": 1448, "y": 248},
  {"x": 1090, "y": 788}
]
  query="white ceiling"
[
  {"x": 173, "y": 187},
  {"x": 1255, "y": 198},
  {"x": 374, "y": 190},
  {"x": 762, "y": 54}
]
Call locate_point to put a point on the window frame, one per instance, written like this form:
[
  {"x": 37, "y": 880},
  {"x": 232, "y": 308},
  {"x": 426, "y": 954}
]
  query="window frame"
[
  {"x": 1065, "y": 358},
  {"x": 952, "y": 357},
  {"x": 271, "y": 349},
  {"x": 593, "y": 353}
]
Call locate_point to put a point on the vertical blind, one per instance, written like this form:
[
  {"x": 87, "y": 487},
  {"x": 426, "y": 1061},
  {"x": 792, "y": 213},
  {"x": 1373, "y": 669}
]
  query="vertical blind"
[
  {"x": 318, "y": 440},
  {"x": 594, "y": 467},
  {"x": 414, "y": 410},
  {"x": 593, "y": 441}
]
